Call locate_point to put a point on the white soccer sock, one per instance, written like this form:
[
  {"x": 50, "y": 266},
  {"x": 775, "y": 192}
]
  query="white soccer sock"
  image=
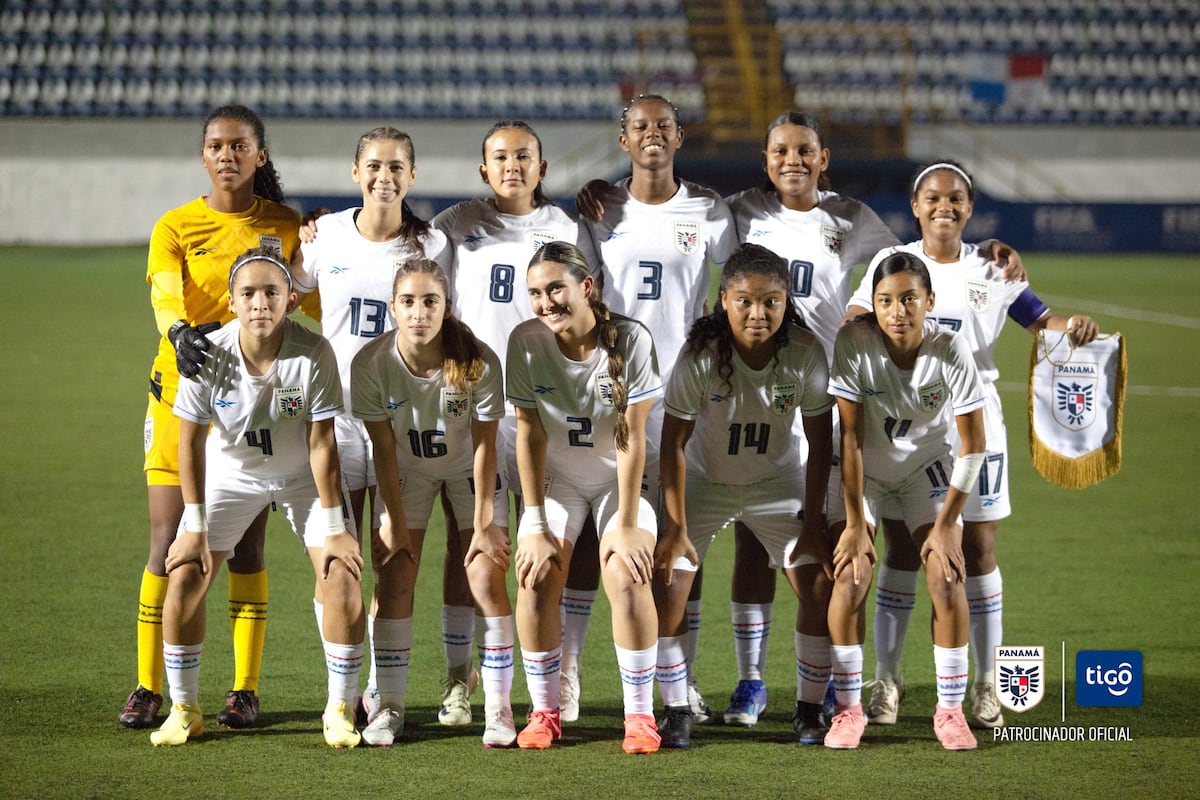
[
  {"x": 458, "y": 635},
  {"x": 895, "y": 598},
  {"x": 181, "y": 662},
  {"x": 372, "y": 675},
  {"x": 637, "y": 679},
  {"x": 576, "y": 610},
  {"x": 391, "y": 644},
  {"x": 319, "y": 613},
  {"x": 691, "y": 641},
  {"x": 813, "y": 667},
  {"x": 343, "y": 663},
  {"x": 847, "y": 673},
  {"x": 751, "y": 633},
  {"x": 496, "y": 664},
  {"x": 542, "y": 678},
  {"x": 985, "y": 597},
  {"x": 950, "y": 665},
  {"x": 671, "y": 670}
]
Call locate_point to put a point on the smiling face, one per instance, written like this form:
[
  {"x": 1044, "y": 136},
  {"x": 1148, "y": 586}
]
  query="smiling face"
[
  {"x": 559, "y": 299},
  {"x": 231, "y": 154},
  {"x": 385, "y": 172},
  {"x": 651, "y": 134},
  {"x": 756, "y": 305},
  {"x": 942, "y": 205},
  {"x": 260, "y": 298},
  {"x": 901, "y": 303},
  {"x": 794, "y": 161},
  {"x": 419, "y": 305},
  {"x": 513, "y": 168}
]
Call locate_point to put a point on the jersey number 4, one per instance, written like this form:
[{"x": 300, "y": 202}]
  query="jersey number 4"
[{"x": 261, "y": 439}]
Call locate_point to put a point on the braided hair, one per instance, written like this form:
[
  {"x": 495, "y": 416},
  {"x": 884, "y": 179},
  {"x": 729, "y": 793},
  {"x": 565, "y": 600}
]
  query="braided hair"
[
  {"x": 642, "y": 98},
  {"x": 569, "y": 257},
  {"x": 746, "y": 260},
  {"x": 462, "y": 357},
  {"x": 266, "y": 178},
  {"x": 412, "y": 227}
]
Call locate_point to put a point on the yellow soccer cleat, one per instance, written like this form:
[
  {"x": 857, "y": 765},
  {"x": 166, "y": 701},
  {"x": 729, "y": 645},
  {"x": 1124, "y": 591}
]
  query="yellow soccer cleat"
[
  {"x": 185, "y": 722},
  {"x": 338, "y": 721}
]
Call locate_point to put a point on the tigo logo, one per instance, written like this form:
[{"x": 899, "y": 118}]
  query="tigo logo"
[{"x": 1108, "y": 678}]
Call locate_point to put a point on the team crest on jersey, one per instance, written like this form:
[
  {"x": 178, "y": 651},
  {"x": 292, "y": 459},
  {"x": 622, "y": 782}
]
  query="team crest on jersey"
[
  {"x": 604, "y": 386},
  {"x": 783, "y": 398},
  {"x": 1075, "y": 394},
  {"x": 290, "y": 400},
  {"x": 272, "y": 243},
  {"x": 979, "y": 295},
  {"x": 833, "y": 240},
  {"x": 931, "y": 396},
  {"x": 687, "y": 236},
  {"x": 1020, "y": 677},
  {"x": 539, "y": 239},
  {"x": 455, "y": 404}
]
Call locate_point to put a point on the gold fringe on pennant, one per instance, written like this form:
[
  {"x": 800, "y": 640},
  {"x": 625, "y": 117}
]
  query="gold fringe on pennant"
[{"x": 1089, "y": 468}]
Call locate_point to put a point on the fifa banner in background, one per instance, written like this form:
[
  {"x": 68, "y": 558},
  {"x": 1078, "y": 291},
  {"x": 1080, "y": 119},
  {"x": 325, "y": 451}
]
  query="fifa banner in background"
[{"x": 1076, "y": 405}]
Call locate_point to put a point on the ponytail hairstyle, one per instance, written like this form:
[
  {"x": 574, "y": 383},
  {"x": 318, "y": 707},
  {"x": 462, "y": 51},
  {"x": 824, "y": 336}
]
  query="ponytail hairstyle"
[
  {"x": 746, "y": 260},
  {"x": 569, "y": 257},
  {"x": 412, "y": 227},
  {"x": 462, "y": 357},
  {"x": 266, "y": 178},
  {"x": 539, "y": 194},
  {"x": 803, "y": 119},
  {"x": 897, "y": 263}
]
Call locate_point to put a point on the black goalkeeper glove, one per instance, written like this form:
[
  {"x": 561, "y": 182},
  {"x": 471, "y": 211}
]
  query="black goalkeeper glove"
[{"x": 191, "y": 347}]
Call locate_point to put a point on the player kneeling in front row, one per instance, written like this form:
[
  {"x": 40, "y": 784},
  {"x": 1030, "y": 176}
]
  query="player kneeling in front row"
[
  {"x": 899, "y": 380},
  {"x": 270, "y": 390}
]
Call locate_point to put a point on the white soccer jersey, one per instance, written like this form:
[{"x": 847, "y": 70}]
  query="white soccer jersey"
[
  {"x": 971, "y": 297},
  {"x": 430, "y": 420},
  {"x": 355, "y": 276},
  {"x": 490, "y": 257},
  {"x": 574, "y": 398},
  {"x": 822, "y": 246},
  {"x": 745, "y": 429},
  {"x": 259, "y": 422},
  {"x": 655, "y": 258},
  {"x": 907, "y": 414}
]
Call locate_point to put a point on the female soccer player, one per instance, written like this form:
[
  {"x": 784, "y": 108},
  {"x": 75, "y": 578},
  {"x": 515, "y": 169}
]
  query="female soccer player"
[
  {"x": 352, "y": 259},
  {"x": 745, "y": 372},
  {"x": 898, "y": 380},
  {"x": 269, "y": 391},
  {"x": 657, "y": 236},
  {"x": 582, "y": 380},
  {"x": 493, "y": 240},
  {"x": 191, "y": 249},
  {"x": 973, "y": 299},
  {"x": 431, "y": 396}
]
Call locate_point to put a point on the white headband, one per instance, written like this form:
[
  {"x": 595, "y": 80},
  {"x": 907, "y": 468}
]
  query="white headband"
[
  {"x": 937, "y": 166},
  {"x": 241, "y": 262}
]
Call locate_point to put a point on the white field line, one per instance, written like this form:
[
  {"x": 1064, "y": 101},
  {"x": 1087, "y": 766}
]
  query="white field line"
[
  {"x": 1192, "y": 392},
  {"x": 1124, "y": 312}
]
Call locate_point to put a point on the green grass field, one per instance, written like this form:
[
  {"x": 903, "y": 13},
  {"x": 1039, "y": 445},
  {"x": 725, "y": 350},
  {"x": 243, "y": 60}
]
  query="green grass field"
[{"x": 1110, "y": 567}]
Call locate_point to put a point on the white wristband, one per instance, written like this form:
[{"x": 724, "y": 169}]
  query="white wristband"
[
  {"x": 194, "y": 518},
  {"x": 533, "y": 521},
  {"x": 333, "y": 521},
  {"x": 966, "y": 470}
]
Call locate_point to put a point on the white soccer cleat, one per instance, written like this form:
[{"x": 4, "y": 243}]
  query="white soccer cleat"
[
  {"x": 568, "y": 696},
  {"x": 985, "y": 707},
  {"x": 383, "y": 730},
  {"x": 884, "y": 707},
  {"x": 498, "y": 728}
]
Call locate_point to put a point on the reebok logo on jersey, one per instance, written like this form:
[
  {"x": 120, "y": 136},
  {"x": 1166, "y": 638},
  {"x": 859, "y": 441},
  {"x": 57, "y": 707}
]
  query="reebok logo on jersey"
[
  {"x": 720, "y": 398},
  {"x": 221, "y": 402},
  {"x": 204, "y": 251},
  {"x": 474, "y": 239},
  {"x": 539, "y": 389},
  {"x": 338, "y": 270},
  {"x": 394, "y": 404},
  {"x": 615, "y": 235}
]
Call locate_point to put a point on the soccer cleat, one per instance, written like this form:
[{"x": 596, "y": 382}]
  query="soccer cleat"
[
  {"x": 185, "y": 722},
  {"x": 383, "y": 730},
  {"x": 829, "y": 704},
  {"x": 675, "y": 729},
  {"x": 808, "y": 723},
  {"x": 747, "y": 702},
  {"x": 701, "y": 713},
  {"x": 884, "y": 706},
  {"x": 544, "y": 728},
  {"x": 568, "y": 700},
  {"x": 641, "y": 735},
  {"x": 241, "y": 709},
  {"x": 456, "y": 696},
  {"x": 338, "y": 722},
  {"x": 985, "y": 708},
  {"x": 498, "y": 729},
  {"x": 371, "y": 703},
  {"x": 141, "y": 709},
  {"x": 952, "y": 730},
  {"x": 846, "y": 730}
]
